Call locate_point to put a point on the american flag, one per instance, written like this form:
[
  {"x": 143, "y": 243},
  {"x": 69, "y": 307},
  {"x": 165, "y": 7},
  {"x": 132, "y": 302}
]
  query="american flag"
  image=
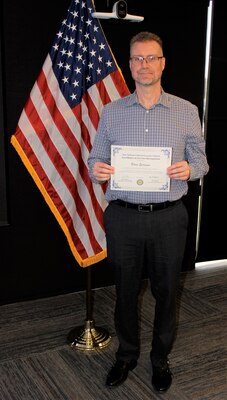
[{"x": 58, "y": 124}]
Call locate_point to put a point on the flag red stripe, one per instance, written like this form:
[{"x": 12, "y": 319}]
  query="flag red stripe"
[
  {"x": 92, "y": 111},
  {"x": 120, "y": 86},
  {"x": 84, "y": 131},
  {"x": 103, "y": 92}
]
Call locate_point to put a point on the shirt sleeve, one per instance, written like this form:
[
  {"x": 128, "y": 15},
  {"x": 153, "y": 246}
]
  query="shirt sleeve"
[{"x": 195, "y": 152}]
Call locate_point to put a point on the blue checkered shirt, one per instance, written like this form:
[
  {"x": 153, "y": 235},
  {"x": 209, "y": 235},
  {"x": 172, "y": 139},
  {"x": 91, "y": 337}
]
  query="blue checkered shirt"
[{"x": 172, "y": 122}]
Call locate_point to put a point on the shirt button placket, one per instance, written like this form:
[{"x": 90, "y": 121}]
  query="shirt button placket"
[{"x": 146, "y": 129}]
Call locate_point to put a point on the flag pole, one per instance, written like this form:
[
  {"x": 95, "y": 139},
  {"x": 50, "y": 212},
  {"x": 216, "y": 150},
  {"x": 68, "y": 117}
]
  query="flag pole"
[{"x": 88, "y": 337}]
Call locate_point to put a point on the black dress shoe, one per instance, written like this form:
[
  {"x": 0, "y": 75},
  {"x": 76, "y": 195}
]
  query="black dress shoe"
[
  {"x": 119, "y": 372},
  {"x": 161, "y": 378}
]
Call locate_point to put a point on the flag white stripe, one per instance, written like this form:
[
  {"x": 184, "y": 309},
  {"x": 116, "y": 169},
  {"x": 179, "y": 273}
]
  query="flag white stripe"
[
  {"x": 87, "y": 121},
  {"x": 111, "y": 88}
]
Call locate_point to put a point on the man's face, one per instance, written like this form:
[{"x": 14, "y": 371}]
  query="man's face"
[{"x": 146, "y": 72}]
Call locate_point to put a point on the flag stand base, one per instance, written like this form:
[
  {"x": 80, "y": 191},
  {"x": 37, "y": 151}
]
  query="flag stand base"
[{"x": 88, "y": 337}]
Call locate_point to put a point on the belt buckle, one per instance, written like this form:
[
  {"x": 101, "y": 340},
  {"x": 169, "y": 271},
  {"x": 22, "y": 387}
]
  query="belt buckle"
[{"x": 141, "y": 207}]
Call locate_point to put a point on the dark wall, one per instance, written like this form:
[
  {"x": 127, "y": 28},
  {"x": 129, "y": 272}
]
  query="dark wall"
[
  {"x": 214, "y": 216},
  {"x": 3, "y": 194},
  {"x": 35, "y": 257}
]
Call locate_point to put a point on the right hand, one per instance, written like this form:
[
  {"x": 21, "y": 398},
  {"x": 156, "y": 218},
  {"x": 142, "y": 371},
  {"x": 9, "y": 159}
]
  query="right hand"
[{"x": 102, "y": 171}]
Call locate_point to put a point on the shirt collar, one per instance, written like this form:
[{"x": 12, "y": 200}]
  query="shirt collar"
[{"x": 163, "y": 100}]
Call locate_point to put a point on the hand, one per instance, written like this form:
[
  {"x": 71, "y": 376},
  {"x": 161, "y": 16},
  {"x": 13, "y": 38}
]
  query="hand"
[
  {"x": 102, "y": 171},
  {"x": 180, "y": 170}
]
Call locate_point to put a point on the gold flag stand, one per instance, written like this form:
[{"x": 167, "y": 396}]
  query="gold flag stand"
[{"x": 88, "y": 337}]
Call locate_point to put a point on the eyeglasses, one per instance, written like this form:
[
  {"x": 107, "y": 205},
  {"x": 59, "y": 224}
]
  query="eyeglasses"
[{"x": 149, "y": 59}]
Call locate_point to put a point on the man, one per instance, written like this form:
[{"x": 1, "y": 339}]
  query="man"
[{"x": 147, "y": 227}]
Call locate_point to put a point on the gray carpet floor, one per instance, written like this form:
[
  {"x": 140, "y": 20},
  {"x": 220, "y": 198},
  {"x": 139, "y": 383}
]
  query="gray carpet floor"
[{"x": 38, "y": 363}]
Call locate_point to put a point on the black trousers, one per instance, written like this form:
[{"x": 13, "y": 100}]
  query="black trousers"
[{"x": 157, "y": 240}]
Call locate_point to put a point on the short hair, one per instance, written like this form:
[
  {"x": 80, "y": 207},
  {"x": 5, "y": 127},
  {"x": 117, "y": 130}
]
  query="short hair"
[{"x": 146, "y": 37}]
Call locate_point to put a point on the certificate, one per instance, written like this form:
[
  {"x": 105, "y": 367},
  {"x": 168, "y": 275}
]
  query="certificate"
[{"x": 141, "y": 169}]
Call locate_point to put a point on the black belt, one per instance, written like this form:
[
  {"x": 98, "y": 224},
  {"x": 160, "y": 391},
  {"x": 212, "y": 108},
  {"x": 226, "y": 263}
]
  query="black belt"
[{"x": 145, "y": 207}]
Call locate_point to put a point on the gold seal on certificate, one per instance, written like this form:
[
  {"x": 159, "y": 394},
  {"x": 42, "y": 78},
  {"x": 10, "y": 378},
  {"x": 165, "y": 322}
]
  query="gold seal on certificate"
[{"x": 140, "y": 168}]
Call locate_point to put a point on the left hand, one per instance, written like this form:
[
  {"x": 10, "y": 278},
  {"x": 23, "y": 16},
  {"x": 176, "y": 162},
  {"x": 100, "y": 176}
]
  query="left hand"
[{"x": 180, "y": 170}]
